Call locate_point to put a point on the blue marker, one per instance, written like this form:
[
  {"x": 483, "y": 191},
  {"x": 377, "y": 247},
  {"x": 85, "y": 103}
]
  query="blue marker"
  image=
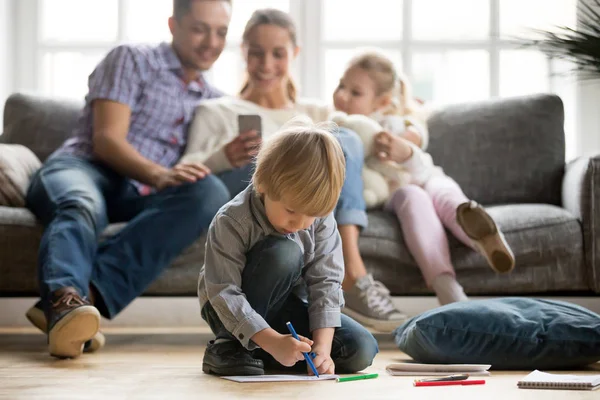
[{"x": 306, "y": 357}]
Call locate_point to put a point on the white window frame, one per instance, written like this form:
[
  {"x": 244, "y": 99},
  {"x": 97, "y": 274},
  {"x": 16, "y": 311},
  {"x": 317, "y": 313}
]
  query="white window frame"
[
  {"x": 314, "y": 45},
  {"x": 308, "y": 14}
]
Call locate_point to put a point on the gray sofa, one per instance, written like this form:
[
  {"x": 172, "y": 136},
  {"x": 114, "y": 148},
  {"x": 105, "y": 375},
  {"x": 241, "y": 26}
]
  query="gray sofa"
[{"x": 506, "y": 154}]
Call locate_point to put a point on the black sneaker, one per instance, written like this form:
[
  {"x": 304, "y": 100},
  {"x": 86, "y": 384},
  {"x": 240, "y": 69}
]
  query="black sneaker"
[
  {"x": 230, "y": 358},
  {"x": 72, "y": 321}
]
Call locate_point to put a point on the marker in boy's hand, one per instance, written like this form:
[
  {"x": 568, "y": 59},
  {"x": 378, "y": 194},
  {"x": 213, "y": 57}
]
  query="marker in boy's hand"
[
  {"x": 284, "y": 348},
  {"x": 323, "y": 363}
]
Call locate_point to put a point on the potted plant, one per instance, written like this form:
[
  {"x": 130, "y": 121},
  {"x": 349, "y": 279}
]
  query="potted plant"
[{"x": 579, "y": 46}]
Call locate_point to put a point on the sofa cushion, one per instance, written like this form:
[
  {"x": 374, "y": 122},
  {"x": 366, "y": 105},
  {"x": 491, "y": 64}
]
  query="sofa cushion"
[
  {"x": 17, "y": 165},
  {"x": 508, "y": 333},
  {"x": 41, "y": 124},
  {"x": 20, "y": 236},
  {"x": 546, "y": 240},
  {"x": 479, "y": 144}
]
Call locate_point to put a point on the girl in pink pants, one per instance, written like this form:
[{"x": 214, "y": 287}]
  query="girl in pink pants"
[{"x": 432, "y": 201}]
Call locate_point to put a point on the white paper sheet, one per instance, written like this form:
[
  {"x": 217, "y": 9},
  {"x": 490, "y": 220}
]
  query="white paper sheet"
[{"x": 278, "y": 378}]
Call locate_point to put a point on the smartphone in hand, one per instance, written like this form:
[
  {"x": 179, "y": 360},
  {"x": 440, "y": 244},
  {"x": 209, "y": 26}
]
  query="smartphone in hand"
[{"x": 249, "y": 122}]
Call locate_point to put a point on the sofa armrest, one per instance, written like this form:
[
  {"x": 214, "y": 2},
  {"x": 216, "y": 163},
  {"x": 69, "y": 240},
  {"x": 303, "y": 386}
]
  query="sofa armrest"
[{"x": 581, "y": 196}]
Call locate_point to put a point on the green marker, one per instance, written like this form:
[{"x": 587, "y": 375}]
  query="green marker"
[{"x": 357, "y": 377}]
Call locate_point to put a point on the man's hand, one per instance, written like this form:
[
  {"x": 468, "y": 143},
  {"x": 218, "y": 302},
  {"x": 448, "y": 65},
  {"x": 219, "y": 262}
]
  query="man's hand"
[
  {"x": 388, "y": 147},
  {"x": 241, "y": 150},
  {"x": 181, "y": 173}
]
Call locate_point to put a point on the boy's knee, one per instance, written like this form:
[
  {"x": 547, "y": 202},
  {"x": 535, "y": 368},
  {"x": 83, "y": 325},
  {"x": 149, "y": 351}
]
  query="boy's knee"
[
  {"x": 283, "y": 255},
  {"x": 365, "y": 349}
]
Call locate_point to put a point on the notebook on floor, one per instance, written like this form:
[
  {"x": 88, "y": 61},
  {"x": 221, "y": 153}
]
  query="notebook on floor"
[
  {"x": 416, "y": 369},
  {"x": 544, "y": 380}
]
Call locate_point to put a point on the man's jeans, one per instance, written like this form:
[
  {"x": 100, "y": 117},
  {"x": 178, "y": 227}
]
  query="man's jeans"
[
  {"x": 272, "y": 268},
  {"x": 76, "y": 199}
]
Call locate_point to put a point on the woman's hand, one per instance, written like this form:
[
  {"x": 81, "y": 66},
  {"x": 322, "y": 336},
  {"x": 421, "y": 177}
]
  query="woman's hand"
[
  {"x": 388, "y": 147},
  {"x": 241, "y": 150}
]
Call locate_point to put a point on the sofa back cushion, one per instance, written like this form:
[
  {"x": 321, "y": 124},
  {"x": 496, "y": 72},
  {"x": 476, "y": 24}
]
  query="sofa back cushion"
[
  {"x": 499, "y": 151},
  {"x": 39, "y": 123},
  {"x": 503, "y": 151}
]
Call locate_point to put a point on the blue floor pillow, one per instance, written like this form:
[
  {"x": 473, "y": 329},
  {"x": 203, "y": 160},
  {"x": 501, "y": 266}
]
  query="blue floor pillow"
[{"x": 509, "y": 333}]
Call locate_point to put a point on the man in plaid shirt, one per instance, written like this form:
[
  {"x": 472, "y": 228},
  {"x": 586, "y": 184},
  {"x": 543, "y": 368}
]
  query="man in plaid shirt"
[{"x": 121, "y": 165}]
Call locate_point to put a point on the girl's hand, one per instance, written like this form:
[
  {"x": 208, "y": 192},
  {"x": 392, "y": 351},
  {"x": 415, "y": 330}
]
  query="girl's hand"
[
  {"x": 412, "y": 135},
  {"x": 388, "y": 147}
]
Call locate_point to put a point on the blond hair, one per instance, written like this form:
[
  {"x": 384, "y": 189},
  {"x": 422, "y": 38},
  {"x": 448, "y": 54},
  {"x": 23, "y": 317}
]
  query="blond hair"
[
  {"x": 272, "y": 16},
  {"x": 303, "y": 165},
  {"x": 387, "y": 81}
]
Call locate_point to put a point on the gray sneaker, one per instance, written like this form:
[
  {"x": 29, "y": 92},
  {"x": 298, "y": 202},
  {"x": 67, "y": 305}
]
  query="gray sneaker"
[{"x": 369, "y": 303}]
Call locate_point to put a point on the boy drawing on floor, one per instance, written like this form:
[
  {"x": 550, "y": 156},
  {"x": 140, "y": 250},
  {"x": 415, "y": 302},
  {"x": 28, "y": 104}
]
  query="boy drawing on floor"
[{"x": 274, "y": 254}]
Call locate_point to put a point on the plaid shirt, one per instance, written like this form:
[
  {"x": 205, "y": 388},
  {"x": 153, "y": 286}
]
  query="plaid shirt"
[{"x": 149, "y": 81}]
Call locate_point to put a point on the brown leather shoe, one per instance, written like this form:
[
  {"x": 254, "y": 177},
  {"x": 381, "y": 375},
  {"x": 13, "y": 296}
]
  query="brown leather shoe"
[
  {"x": 37, "y": 317},
  {"x": 481, "y": 228},
  {"x": 72, "y": 321}
]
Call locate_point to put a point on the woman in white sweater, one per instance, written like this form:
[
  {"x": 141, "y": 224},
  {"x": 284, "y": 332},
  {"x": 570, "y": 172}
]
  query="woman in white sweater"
[{"x": 269, "y": 48}]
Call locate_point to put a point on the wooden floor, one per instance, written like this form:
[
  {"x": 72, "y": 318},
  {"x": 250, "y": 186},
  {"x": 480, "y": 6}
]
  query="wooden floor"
[{"x": 161, "y": 366}]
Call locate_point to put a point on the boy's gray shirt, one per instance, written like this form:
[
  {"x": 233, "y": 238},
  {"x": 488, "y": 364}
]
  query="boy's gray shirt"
[{"x": 237, "y": 227}]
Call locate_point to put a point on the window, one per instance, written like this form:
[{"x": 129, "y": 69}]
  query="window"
[{"x": 452, "y": 51}]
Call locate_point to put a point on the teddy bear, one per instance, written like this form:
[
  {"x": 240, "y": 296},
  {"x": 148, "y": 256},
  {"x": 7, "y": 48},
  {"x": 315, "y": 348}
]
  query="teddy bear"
[{"x": 380, "y": 178}]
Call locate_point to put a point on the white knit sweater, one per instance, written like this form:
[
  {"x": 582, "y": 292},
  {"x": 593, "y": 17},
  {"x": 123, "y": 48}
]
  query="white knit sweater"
[{"x": 215, "y": 124}]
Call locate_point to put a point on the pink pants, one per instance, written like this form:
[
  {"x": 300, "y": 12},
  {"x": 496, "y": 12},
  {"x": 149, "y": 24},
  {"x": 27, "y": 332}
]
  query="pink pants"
[{"x": 423, "y": 213}]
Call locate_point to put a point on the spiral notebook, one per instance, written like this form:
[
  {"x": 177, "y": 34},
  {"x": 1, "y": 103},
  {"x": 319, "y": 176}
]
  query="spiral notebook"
[{"x": 543, "y": 380}]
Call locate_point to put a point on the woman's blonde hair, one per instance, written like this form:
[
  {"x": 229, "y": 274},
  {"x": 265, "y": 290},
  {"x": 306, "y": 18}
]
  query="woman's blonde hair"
[
  {"x": 302, "y": 164},
  {"x": 272, "y": 16},
  {"x": 387, "y": 81}
]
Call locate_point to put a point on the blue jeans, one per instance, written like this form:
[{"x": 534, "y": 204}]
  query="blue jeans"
[
  {"x": 272, "y": 268},
  {"x": 351, "y": 207},
  {"x": 75, "y": 199}
]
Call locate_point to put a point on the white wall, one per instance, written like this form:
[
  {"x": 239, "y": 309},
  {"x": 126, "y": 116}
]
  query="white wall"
[
  {"x": 7, "y": 54},
  {"x": 588, "y": 121},
  {"x": 588, "y": 114}
]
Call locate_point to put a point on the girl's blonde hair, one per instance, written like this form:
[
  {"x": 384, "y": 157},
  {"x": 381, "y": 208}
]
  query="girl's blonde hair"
[
  {"x": 387, "y": 81},
  {"x": 302, "y": 164},
  {"x": 272, "y": 16}
]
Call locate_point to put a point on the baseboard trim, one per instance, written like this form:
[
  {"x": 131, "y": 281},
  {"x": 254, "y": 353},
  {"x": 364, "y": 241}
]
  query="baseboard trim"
[{"x": 163, "y": 313}]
